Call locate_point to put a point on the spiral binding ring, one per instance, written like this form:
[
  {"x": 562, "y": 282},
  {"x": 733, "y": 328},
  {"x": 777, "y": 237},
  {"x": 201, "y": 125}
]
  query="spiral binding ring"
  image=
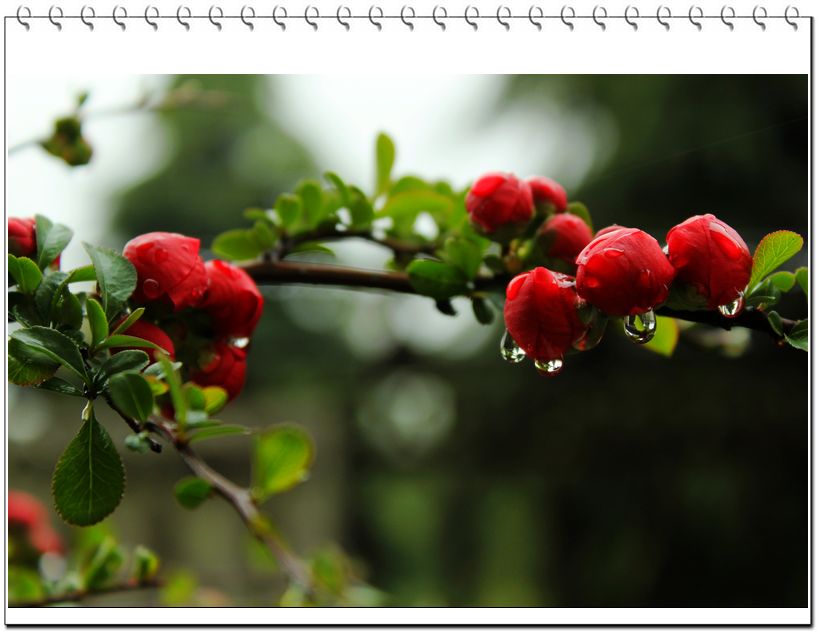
[
  {"x": 628, "y": 19},
  {"x": 724, "y": 9},
  {"x": 312, "y": 23},
  {"x": 531, "y": 16},
  {"x": 348, "y": 16},
  {"x": 436, "y": 19},
  {"x": 668, "y": 16},
  {"x": 598, "y": 9},
  {"x": 51, "y": 16},
  {"x": 282, "y": 25},
  {"x": 118, "y": 22},
  {"x": 87, "y": 22},
  {"x": 789, "y": 20},
  {"x": 248, "y": 9},
  {"x": 210, "y": 13},
  {"x": 179, "y": 16},
  {"x": 563, "y": 13},
  {"x": 471, "y": 22},
  {"x": 377, "y": 25},
  {"x": 25, "y": 25},
  {"x": 503, "y": 22},
  {"x": 403, "y": 13},
  {"x": 152, "y": 23},
  {"x": 698, "y": 9},
  {"x": 755, "y": 16}
]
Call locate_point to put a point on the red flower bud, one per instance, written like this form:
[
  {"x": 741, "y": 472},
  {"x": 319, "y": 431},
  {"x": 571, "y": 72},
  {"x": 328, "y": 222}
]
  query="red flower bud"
[
  {"x": 624, "y": 272},
  {"x": 710, "y": 256},
  {"x": 168, "y": 266},
  {"x": 541, "y": 313},
  {"x": 498, "y": 201},
  {"x": 547, "y": 191},
  {"x": 222, "y": 366},
  {"x": 22, "y": 238},
  {"x": 608, "y": 229},
  {"x": 153, "y": 333},
  {"x": 563, "y": 236},
  {"x": 28, "y": 515},
  {"x": 232, "y": 299}
]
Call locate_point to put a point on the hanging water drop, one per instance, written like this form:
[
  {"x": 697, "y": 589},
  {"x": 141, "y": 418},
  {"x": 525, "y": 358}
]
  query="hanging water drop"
[
  {"x": 734, "y": 308},
  {"x": 549, "y": 367},
  {"x": 665, "y": 249},
  {"x": 509, "y": 350},
  {"x": 151, "y": 288},
  {"x": 640, "y": 328},
  {"x": 241, "y": 343}
]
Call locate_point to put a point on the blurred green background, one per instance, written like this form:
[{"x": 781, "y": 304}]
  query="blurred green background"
[{"x": 451, "y": 477}]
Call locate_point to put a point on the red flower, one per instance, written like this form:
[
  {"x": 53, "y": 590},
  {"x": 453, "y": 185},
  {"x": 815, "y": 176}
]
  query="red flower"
[
  {"x": 710, "y": 256},
  {"x": 222, "y": 366},
  {"x": 563, "y": 236},
  {"x": 547, "y": 191},
  {"x": 22, "y": 237},
  {"x": 624, "y": 272},
  {"x": 30, "y": 516},
  {"x": 608, "y": 229},
  {"x": 153, "y": 333},
  {"x": 232, "y": 299},
  {"x": 498, "y": 201},
  {"x": 168, "y": 266},
  {"x": 541, "y": 313}
]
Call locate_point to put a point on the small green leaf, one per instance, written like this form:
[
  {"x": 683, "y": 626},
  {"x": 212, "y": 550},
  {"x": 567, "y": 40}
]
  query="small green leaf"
[
  {"x": 464, "y": 253},
  {"x": 116, "y": 277},
  {"x": 105, "y": 562},
  {"x": 799, "y": 336},
  {"x": 666, "y": 337},
  {"x": 263, "y": 234},
  {"x": 312, "y": 203},
  {"x": 89, "y": 479},
  {"x": 237, "y": 245},
  {"x": 177, "y": 397},
  {"x": 61, "y": 386},
  {"x": 282, "y": 459},
  {"x": 132, "y": 394},
  {"x": 221, "y": 430},
  {"x": 145, "y": 565},
  {"x": 775, "y": 322},
  {"x": 138, "y": 443},
  {"x": 25, "y": 272},
  {"x": 436, "y": 279},
  {"x": 215, "y": 399},
  {"x": 54, "y": 345},
  {"x": 69, "y": 313},
  {"x": 340, "y": 186},
  {"x": 311, "y": 247},
  {"x": 360, "y": 209},
  {"x": 191, "y": 492},
  {"x": 97, "y": 321},
  {"x": 288, "y": 210},
  {"x": 482, "y": 311},
  {"x": 132, "y": 318},
  {"x": 802, "y": 277},
  {"x": 26, "y": 366},
  {"x": 48, "y": 295},
  {"x": 125, "y": 340},
  {"x": 783, "y": 280},
  {"x": 384, "y": 161},
  {"x": 581, "y": 211},
  {"x": 773, "y": 250},
  {"x": 51, "y": 240},
  {"x": 125, "y": 361},
  {"x": 83, "y": 273}
]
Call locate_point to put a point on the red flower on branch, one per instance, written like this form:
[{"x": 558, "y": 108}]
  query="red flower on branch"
[
  {"x": 548, "y": 192},
  {"x": 500, "y": 201},
  {"x": 168, "y": 268},
  {"x": 222, "y": 365},
  {"x": 22, "y": 237},
  {"x": 153, "y": 333},
  {"x": 563, "y": 236},
  {"x": 232, "y": 299},
  {"x": 29, "y": 517},
  {"x": 624, "y": 272}
]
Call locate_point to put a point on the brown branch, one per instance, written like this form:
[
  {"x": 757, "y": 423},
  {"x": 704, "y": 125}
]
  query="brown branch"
[
  {"x": 331, "y": 275},
  {"x": 81, "y": 594}
]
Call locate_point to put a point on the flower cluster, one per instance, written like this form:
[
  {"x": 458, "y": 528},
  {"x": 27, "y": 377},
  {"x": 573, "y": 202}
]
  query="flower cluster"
[
  {"x": 201, "y": 313},
  {"x": 619, "y": 272},
  {"x": 30, "y": 530}
]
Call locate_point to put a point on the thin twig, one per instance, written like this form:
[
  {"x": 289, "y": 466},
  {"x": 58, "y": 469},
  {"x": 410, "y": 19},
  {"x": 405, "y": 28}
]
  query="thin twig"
[
  {"x": 81, "y": 594},
  {"x": 155, "y": 446}
]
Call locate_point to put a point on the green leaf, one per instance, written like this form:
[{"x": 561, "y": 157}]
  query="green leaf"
[
  {"x": 27, "y": 366},
  {"x": 666, "y": 337},
  {"x": 436, "y": 279},
  {"x": 61, "y": 386},
  {"x": 132, "y": 318},
  {"x": 288, "y": 209},
  {"x": 482, "y": 311},
  {"x": 116, "y": 277},
  {"x": 282, "y": 459},
  {"x": 311, "y": 247},
  {"x": 25, "y": 585},
  {"x": 312, "y": 203},
  {"x": 581, "y": 211},
  {"x": 403, "y": 208},
  {"x": 384, "y": 161},
  {"x": 89, "y": 479},
  {"x": 783, "y": 280},
  {"x": 131, "y": 393},
  {"x": 799, "y": 336},
  {"x": 464, "y": 253},
  {"x": 340, "y": 186},
  {"x": 105, "y": 562},
  {"x": 51, "y": 240},
  {"x": 69, "y": 313},
  {"x": 97, "y": 321},
  {"x": 237, "y": 245},
  {"x": 361, "y": 212},
  {"x": 215, "y": 399},
  {"x": 54, "y": 345},
  {"x": 48, "y": 295},
  {"x": 191, "y": 492},
  {"x": 138, "y": 443},
  {"x": 125, "y": 361},
  {"x": 773, "y": 250},
  {"x": 25, "y": 272},
  {"x": 145, "y": 564},
  {"x": 221, "y": 430},
  {"x": 263, "y": 234},
  {"x": 802, "y": 277},
  {"x": 177, "y": 397},
  {"x": 125, "y": 340},
  {"x": 774, "y": 320},
  {"x": 83, "y": 273}
]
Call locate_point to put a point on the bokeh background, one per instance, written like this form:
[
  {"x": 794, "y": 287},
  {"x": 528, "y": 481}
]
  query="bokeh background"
[{"x": 451, "y": 477}]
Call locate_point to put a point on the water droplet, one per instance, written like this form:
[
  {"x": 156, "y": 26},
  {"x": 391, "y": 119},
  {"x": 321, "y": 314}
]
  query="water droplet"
[
  {"x": 160, "y": 255},
  {"x": 665, "y": 249},
  {"x": 734, "y": 308},
  {"x": 591, "y": 282},
  {"x": 593, "y": 335},
  {"x": 549, "y": 367},
  {"x": 151, "y": 288},
  {"x": 241, "y": 343},
  {"x": 613, "y": 253},
  {"x": 509, "y": 350},
  {"x": 640, "y": 328}
]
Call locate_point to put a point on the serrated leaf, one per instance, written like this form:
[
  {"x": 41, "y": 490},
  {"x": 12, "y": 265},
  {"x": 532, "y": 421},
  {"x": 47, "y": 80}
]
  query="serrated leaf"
[
  {"x": 132, "y": 394},
  {"x": 89, "y": 479},
  {"x": 97, "y": 321},
  {"x": 59, "y": 385},
  {"x": 581, "y": 211},
  {"x": 773, "y": 250},
  {"x": 802, "y": 277},
  {"x": 384, "y": 161},
  {"x": 436, "y": 279},
  {"x": 125, "y": 340},
  {"x": 25, "y": 272},
  {"x": 666, "y": 337},
  {"x": 115, "y": 275},
  {"x": 28, "y": 367},
  {"x": 54, "y": 345},
  {"x": 799, "y": 336},
  {"x": 191, "y": 492},
  {"x": 237, "y": 245},
  {"x": 282, "y": 459},
  {"x": 51, "y": 240},
  {"x": 127, "y": 360}
]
